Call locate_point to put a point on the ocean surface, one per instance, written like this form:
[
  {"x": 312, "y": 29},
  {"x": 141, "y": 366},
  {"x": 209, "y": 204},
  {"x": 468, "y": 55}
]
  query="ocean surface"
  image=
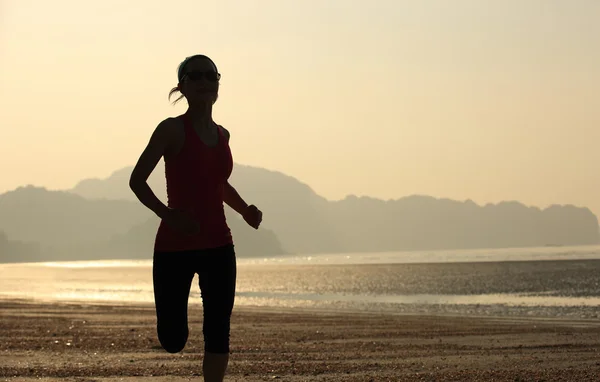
[{"x": 561, "y": 282}]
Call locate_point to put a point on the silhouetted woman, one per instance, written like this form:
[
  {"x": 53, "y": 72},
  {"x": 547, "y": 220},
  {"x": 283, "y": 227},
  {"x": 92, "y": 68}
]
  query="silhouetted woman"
[{"x": 193, "y": 236}]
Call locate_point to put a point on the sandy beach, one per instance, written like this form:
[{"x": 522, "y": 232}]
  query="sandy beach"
[{"x": 75, "y": 342}]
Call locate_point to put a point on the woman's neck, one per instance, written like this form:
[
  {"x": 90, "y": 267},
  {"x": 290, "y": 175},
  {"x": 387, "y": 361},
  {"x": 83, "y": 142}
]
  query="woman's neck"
[{"x": 200, "y": 115}]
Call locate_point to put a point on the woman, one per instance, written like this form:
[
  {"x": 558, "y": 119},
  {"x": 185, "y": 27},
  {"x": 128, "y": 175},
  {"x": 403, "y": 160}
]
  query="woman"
[{"x": 193, "y": 236}]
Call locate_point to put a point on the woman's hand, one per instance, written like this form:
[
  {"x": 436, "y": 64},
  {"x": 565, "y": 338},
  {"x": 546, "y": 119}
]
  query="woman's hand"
[
  {"x": 252, "y": 216},
  {"x": 182, "y": 221}
]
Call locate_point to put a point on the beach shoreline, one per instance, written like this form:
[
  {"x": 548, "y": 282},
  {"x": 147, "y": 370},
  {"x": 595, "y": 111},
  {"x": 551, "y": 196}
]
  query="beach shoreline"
[{"x": 106, "y": 342}]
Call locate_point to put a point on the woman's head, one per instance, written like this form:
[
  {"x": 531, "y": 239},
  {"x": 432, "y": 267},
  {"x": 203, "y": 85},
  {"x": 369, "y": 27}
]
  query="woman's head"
[{"x": 198, "y": 80}]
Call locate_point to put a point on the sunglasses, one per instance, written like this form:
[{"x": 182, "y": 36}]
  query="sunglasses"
[{"x": 210, "y": 75}]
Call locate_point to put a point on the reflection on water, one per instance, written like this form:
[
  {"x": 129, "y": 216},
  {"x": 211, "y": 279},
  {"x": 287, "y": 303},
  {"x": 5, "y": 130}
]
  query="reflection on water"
[
  {"x": 440, "y": 256},
  {"x": 538, "y": 281},
  {"x": 482, "y": 299},
  {"x": 405, "y": 257},
  {"x": 98, "y": 264}
]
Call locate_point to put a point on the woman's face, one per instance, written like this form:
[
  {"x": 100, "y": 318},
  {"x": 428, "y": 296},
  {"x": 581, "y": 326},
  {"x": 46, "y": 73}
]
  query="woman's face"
[{"x": 200, "y": 82}]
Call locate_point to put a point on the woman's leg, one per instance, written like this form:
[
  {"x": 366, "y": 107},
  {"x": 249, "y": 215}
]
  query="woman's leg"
[
  {"x": 172, "y": 275},
  {"x": 217, "y": 275}
]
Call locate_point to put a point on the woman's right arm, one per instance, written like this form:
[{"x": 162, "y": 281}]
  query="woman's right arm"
[{"x": 158, "y": 144}]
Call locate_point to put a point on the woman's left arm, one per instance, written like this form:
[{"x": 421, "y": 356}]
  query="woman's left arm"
[
  {"x": 230, "y": 194},
  {"x": 233, "y": 199},
  {"x": 251, "y": 214}
]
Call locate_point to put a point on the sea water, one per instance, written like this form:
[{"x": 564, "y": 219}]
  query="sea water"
[{"x": 545, "y": 281}]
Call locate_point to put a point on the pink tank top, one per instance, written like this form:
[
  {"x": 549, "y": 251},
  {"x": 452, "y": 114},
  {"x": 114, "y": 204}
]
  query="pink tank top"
[{"x": 195, "y": 182}]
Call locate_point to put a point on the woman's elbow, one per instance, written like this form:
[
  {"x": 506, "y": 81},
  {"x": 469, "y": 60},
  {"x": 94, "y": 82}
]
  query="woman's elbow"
[{"x": 135, "y": 182}]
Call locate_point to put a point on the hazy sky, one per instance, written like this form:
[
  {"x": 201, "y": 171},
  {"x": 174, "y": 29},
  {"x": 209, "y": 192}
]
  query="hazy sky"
[{"x": 482, "y": 100}]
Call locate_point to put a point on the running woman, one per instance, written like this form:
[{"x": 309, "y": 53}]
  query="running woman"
[{"x": 193, "y": 236}]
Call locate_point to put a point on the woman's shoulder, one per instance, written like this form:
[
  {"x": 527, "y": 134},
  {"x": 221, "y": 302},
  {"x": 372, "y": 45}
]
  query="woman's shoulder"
[
  {"x": 170, "y": 132},
  {"x": 224, "y": 131},
  {"x": 170, "y": 126},
  {"x": 171, "y": 123}
]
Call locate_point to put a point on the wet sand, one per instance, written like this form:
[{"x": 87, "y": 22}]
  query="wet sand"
[{"x": 75, "y": 342}]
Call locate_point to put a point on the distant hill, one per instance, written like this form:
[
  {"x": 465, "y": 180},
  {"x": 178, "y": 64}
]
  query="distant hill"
[
  {"x": 12, "y": 251},
  {"x": 102, "y": 219},
  {"x": 305, "y": 222},
  {"x": 423, "y": 222},
  {"x": 41, "y": 225},
  {"x": 51, "y": 217},
  {"x": 292, "y": 210}
]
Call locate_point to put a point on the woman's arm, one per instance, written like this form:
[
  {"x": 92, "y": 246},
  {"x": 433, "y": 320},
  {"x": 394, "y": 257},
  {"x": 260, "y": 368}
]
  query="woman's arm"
[
  {"x": 233, "y": 199},
  {"x": 146, "y": 163},
  {"x": 230, "y": 195},
  {"x": 251, "y": 214}
]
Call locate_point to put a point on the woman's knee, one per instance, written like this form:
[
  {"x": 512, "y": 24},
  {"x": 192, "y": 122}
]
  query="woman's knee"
[
  {"x": 216, "y": 335},
  {"x": 173, "y": 341},
  {"x": 217, "y": 344}
]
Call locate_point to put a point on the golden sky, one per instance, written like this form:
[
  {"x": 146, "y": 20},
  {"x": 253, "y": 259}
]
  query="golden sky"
[{"x": 482, "y": 100}]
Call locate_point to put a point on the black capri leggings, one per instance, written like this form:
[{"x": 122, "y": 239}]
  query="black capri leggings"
[{"x": 172, "y": 274}]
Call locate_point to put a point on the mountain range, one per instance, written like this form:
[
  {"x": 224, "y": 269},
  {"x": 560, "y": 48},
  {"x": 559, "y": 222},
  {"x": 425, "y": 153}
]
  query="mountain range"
[{"x": 102, "y": 219}]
